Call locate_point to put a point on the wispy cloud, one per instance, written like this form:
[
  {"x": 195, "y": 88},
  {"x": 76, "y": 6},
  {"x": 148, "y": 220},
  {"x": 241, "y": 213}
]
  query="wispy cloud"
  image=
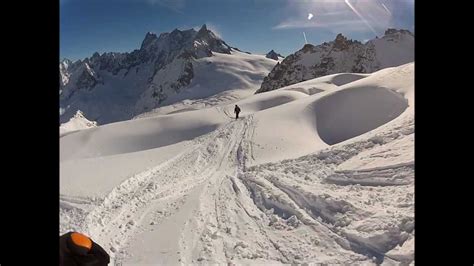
[
  {"x": 301, "y": 24},
  {"x": 338, "y": 15},
  {"x": 360, "y": 16},
  {"x": 212, "y": 27}
]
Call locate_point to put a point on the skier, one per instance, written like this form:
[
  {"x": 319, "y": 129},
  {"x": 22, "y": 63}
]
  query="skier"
[
  {"x": 76, "y": 249},
  {"x": 236, "y": 111}
]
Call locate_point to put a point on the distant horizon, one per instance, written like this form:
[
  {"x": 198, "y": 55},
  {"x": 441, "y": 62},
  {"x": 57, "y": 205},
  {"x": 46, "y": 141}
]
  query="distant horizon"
[
  {"x": 285, "y": 55},
  {"x": 89, "y": 26}
]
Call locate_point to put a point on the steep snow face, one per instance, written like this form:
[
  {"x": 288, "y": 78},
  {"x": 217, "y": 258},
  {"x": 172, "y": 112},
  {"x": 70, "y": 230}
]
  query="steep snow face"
[
  {"x": 395, "y": 48},
  {"x": 345, "y": 114},
  {"x": 118, "y": 86},
  {"x": 268, "y": 188}
]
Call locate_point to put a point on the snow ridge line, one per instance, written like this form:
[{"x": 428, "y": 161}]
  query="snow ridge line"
[{"x": 380, "y": 168}]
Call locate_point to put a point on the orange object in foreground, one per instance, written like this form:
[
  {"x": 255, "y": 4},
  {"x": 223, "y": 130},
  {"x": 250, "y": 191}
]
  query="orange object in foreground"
[
  {"x": 76, "y": 249},
  {"x": 81, "y": 240}
]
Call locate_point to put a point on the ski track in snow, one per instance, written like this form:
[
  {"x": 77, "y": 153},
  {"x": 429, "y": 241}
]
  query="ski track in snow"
[
  {"x": 300, "y": 210},
  {"x": 348, "y": 206}
]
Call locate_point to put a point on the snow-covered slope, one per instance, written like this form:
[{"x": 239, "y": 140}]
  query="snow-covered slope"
[
  {"x": 395, "y": 48},
  {"x": 321, "y": 171},
  {"x": 166, "y": 69},
  {"x": 76, "y": 123}
]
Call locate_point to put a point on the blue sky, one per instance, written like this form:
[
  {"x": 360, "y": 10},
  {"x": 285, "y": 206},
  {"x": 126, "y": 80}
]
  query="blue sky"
[{"x": 257, "y": 26}]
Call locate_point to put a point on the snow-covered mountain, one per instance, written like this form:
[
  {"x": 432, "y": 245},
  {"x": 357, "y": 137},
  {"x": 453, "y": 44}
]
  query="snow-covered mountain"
[
  {"x": 317, "y": 170},
  {"x": 167, "y": 68},
  {"x": 274, "y": 55},
  {"x": 395, "y": 48},
  {"x": 76, "y": 123}
]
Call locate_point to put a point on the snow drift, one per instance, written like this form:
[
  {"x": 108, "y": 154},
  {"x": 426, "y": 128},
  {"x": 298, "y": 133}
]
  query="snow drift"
[
  {"x": 349, "y": 113},
  {"x": 138, "y": 135}
]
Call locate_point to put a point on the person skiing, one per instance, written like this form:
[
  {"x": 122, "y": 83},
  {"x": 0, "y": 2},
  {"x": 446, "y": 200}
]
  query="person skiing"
[
  {"x": 236, "y": 111},
  {"x": 76, "y": 249}
]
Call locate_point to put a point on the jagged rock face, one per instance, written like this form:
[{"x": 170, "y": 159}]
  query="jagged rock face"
[
  {"x": 398, "y": 32},
  {"x": 158, "y": 91},
  {"x": 396, "y": 47},
  {"x": 162, "y": 65},
  {"x": 76, "y": 77},
  {"x": 63, "y": 72},
  {"x": 87, "y": 79},
  {"x": 341, "y": 43},
  {"x": 206, "y": 38},
  {"x": 273, "y": 55},
  {"x": 111, "y": 62}
]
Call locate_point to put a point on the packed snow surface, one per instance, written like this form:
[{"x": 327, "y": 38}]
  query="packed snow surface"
[{"x": 321, "y": 171}]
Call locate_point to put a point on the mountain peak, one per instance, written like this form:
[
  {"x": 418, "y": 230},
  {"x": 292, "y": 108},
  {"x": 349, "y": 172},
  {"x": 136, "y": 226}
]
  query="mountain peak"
[
  {"x": 79, "y": 114},
  {"x": 150, "y": 35},
  {"x": 308, "y": 48},
  {"x": 204, "y": 32},
  {"x": 65, "y": 62},
  {"x": 342, "y": 55},
  {"x": 341, "y": 42},
  {"x": 340, "y": 37},
  {"x": 149, "y": 38},
  {"x": 273, "y": 55},
  {"x": 175, "y": 31}
]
